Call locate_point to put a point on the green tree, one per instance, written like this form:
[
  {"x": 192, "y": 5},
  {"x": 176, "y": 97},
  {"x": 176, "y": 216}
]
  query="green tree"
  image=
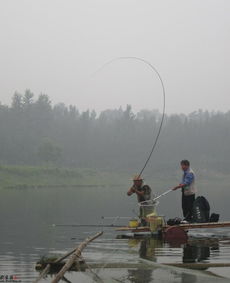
[
  {"x": 27, "y": 98},
  {"x": 49, "y": 152},
  {"x": 17, "y": 101}
]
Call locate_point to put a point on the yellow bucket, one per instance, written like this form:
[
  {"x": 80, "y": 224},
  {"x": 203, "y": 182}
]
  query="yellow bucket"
[
  {"x": 133, "y": 223},
  {"x": 156, "y": 223}
]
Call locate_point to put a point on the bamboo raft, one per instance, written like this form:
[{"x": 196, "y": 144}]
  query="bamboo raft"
[{"x": 182, "y": 226}]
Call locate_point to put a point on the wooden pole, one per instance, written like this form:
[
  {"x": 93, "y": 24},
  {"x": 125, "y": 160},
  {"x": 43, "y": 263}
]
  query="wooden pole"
[
  {"x": 194, "y": 265},
  {"x": 43, "y": 273},
  {"x": 75, "y": 255},
  {"x": 205, "y": 225},
  {"x": 48, "y": 266},
  {"x": 183, "y": 226}
]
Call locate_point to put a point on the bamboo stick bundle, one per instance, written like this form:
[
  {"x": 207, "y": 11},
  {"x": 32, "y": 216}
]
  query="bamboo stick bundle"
[
  {"x": 74, "y": 257},
  {"x": 76, "y": 249}
]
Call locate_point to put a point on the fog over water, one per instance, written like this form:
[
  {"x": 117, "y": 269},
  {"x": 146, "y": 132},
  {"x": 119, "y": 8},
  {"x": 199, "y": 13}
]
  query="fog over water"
[{"x": 74, "y": 130}]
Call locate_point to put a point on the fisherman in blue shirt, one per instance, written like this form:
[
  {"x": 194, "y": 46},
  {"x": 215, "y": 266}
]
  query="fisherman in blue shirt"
[{"x": 188, "y": 189}]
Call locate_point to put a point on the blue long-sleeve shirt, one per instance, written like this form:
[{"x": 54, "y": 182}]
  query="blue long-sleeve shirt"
[
  {"x": 187, "y": 178},
  {"x": 188, "y": 181}
]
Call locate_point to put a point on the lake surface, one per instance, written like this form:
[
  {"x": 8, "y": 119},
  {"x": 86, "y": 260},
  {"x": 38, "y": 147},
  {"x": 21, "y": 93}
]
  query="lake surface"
[{"x": 31, "y": 227}]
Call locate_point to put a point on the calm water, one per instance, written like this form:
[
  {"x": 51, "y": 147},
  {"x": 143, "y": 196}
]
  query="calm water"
[{"x": 28, "y": 232}]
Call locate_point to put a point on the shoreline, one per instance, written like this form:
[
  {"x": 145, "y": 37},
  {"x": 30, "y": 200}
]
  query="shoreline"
[{"x": 37, "y": 177}]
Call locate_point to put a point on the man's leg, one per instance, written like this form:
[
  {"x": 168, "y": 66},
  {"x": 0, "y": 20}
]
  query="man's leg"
[
  {"x": 190, "y": 205},
  {"x": 142, "y": 216},
  {"x": 187, "y": 203},
  {"x": 184, "y": 205}
]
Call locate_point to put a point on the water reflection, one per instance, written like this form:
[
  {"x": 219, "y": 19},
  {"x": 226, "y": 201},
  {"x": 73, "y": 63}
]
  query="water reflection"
[
  {"x": 193, "y": 251},
  {"x": 199, "y": 251},
  {"x": 153, "y": 249},
  {"x": 137, "y": 275},
  {"x": 188, "y": 278},
  {"x": 27, "y": 234},
  {"x": 146, "y": 250}
]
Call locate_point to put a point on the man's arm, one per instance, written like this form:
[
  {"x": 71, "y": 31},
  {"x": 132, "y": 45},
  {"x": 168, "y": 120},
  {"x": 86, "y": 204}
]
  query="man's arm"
[
  {"x": 134, "y": 190},
  {"x": 179, "y": 186},
  {"x": 131, "y": 191},
  {"x": 187, "y": 181}
]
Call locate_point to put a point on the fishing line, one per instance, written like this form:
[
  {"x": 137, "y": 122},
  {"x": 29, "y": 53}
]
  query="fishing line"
[{"x": 163, "y": 96}]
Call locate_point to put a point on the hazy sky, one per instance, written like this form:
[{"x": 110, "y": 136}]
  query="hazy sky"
[{"x": 53, "y": 47}]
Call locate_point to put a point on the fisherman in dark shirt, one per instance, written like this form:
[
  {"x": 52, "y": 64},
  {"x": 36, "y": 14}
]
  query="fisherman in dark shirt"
[{"x": 143, "y": 193}]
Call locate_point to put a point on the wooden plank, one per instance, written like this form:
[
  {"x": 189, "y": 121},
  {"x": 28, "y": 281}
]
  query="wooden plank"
[
  {"x": 183, "y": 226},
  {"x": 203, "y": 225},
  {"x": 134, "y": 230},
  {"x": 192, "y": 265}
]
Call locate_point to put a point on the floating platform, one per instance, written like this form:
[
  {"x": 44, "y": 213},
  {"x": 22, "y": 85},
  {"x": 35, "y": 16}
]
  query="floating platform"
[
  {"x": 186, "y": 226},
  {"x": 172, "y": 233}
]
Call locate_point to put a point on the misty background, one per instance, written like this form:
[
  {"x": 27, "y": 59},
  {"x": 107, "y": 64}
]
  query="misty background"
[
  {"x": 58, "y": 140},
  {"x": 54, "y": 47},
  {"x": 35, "y": 132},
  {"x": 73, "y": 133},
  {"x": 58, "y": 110}
]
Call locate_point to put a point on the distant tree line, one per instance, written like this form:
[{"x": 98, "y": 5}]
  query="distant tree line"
[{"x": 34, "y": 132}]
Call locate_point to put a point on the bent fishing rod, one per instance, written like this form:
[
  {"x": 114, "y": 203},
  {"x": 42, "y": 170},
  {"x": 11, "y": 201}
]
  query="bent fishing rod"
[{"x": 155, "y": 71}]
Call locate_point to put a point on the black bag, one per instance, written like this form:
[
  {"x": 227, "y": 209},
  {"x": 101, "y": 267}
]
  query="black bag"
[
  {"x": 214, "y": 217},
  {"x": 200, "y": 210},
  {"x": 174, "y": 221}
]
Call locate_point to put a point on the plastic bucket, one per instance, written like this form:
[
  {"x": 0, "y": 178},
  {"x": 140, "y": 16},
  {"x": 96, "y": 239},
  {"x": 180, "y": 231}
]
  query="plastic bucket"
[{"x": 148, "y": 208}]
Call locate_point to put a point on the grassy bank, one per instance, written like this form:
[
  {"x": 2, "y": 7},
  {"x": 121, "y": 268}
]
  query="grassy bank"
[
  {"x": 44, "y": 176},
  {"x": 31, "y": 176}
]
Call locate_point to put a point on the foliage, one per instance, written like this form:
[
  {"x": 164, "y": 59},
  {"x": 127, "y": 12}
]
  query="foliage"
[
  {"x": 37, "y": 177},
  {"x": 33, "y": 131},
  {"x": 49, "y": 152}
]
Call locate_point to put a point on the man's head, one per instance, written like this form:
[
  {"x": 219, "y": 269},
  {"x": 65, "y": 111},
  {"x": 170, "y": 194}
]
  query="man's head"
[
  {"x": 137, "y": 181},
  {"x": 185, "y": 164}
]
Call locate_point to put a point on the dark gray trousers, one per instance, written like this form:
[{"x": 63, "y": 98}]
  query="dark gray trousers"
[{"x": 187, "y": 203}]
